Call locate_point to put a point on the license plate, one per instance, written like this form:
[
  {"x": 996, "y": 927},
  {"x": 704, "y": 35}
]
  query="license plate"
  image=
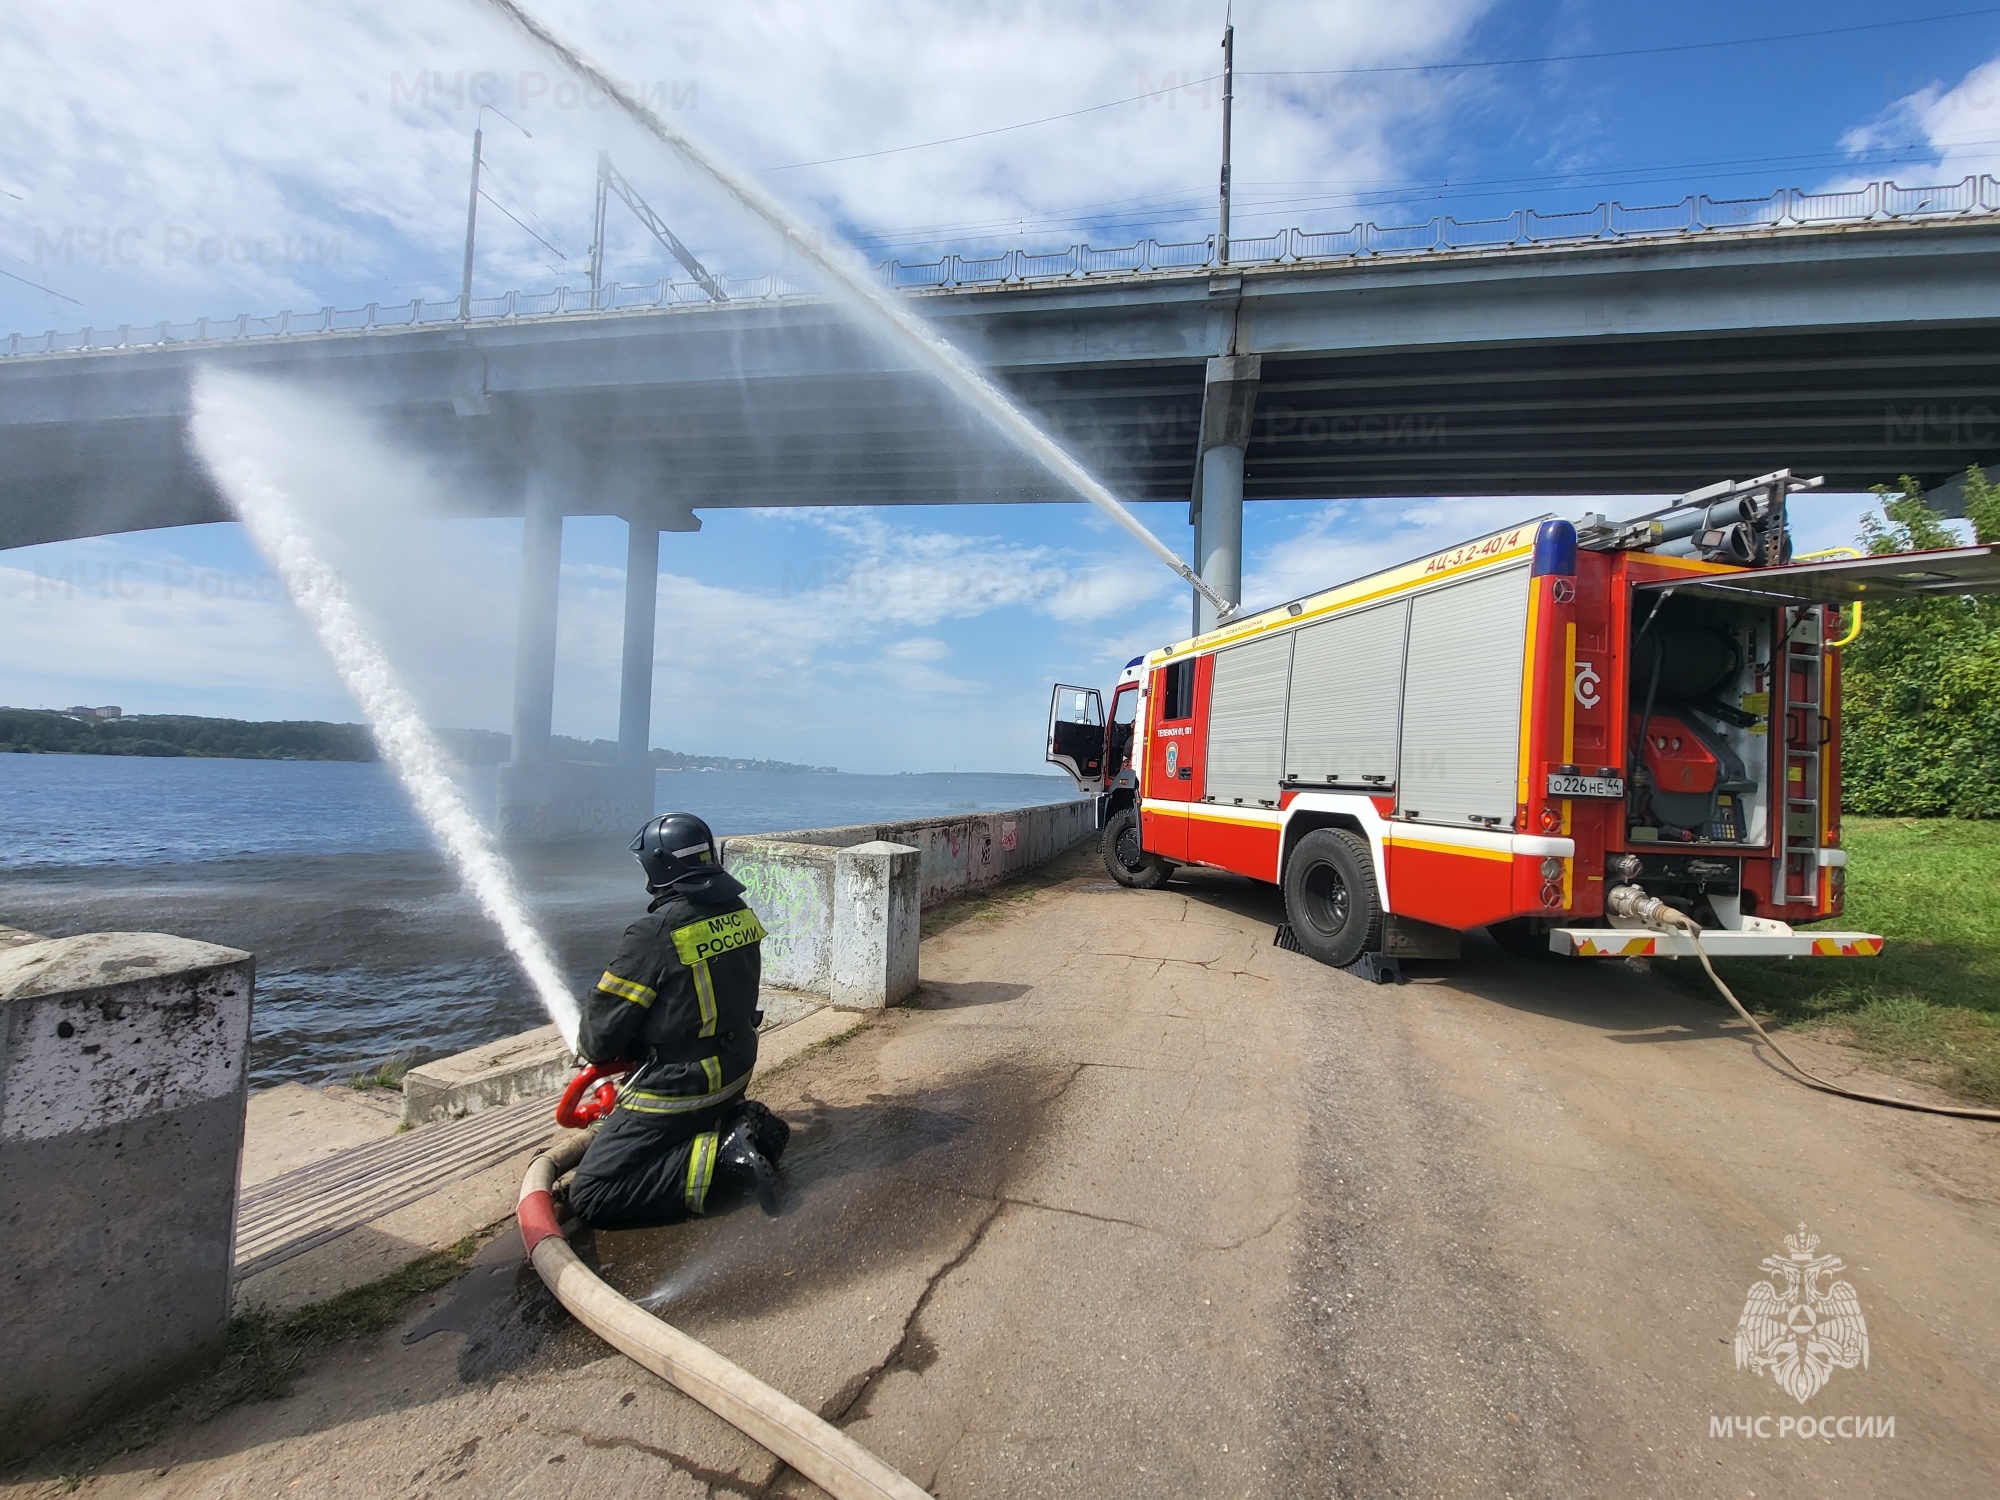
[{"x": 1585, "y": 786}]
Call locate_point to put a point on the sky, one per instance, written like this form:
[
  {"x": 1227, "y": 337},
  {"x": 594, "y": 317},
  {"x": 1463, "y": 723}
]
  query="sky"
[{"x": 175, "y": 161}]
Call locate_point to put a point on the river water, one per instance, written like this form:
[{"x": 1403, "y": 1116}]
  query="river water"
[{"x": 366, "y": 948}]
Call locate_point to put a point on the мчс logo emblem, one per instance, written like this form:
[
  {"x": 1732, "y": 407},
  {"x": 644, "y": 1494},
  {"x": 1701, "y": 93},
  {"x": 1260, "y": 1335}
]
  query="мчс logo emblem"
[
  {"x": 1585, "y": 687},
  {"x": 1796, "y": 1329}
]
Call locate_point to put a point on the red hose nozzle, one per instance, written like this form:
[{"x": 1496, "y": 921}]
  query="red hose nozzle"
[{"x": 581, "y": 1105}]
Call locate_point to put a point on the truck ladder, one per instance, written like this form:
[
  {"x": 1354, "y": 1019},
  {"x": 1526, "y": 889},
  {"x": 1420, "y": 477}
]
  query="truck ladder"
[{"x": 1803, "y": 664}]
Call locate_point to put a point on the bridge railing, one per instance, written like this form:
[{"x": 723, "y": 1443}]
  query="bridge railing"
[{"x": 1693, "y": 216}]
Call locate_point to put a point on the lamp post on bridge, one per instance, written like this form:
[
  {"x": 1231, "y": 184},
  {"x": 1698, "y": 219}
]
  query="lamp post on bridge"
[
  {"x": 472, "y": 202},
  {"x": 1228, "y": 97}
]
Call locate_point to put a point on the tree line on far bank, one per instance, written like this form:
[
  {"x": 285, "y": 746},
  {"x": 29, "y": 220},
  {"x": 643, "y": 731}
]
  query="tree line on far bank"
[
  {"x": 44, "y": 731},
  {"x": 32, "y": 729}
]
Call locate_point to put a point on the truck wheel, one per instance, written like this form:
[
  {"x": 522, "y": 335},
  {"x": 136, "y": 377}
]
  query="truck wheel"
[
  {"x": 1128, "y": 863},
  {"x": 1330, "y": 897}
]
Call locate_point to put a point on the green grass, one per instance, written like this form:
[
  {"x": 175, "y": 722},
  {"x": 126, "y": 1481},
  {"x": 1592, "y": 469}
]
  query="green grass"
[
  {"x": 1929, "y": 1006},
  {"x": 387, "y": 1074}
]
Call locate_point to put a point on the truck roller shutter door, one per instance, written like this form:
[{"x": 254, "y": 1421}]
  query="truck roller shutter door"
[
  {"x": 1347, "y": 680},
  {"x": 1246, "y": 721},
  {"x": 1462, "y": 701}
]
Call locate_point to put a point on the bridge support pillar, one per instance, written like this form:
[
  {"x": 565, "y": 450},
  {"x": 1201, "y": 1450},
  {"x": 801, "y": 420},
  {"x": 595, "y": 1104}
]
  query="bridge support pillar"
[
  {"x": 1228, "y": 402},
  {"x": 541, "y": 800},
  {"x": 635, "y": 683},
  {"x": 1218, "y": 535},
  {"x": 535, "y": 630}
]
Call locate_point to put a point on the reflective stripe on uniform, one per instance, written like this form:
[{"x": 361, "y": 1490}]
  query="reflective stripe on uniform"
[
  {"x": 627, "y": 989},
  {"x": 711, "y": 1068},
  {"x": 701, "y": 1169},
  {"x": 645, "y": 1102},
  {"x": 704, "y": 994}
]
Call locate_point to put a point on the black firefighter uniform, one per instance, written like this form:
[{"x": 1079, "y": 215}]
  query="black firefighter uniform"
[{"x": 681, "y": 999}]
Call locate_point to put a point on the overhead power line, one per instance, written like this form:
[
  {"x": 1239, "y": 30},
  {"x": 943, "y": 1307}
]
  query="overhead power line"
[
  {"x": 38, "y": 286},
  {"x": 510, "y": 214},
  {"x": 1070, "y": 114},
  {"x": 1491, "y": 62},
  {"x": 1522, "y": 62}
]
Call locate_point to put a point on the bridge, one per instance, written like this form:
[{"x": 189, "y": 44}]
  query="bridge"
[{"x": 1616, "y": 351}]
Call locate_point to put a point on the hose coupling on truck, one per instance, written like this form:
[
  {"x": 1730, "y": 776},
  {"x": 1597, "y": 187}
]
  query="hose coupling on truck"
[{"x": 1632, "y": 903}]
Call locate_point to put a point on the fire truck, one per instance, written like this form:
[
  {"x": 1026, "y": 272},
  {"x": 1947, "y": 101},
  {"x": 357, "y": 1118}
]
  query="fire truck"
[{"x": 1535, "y": 732}]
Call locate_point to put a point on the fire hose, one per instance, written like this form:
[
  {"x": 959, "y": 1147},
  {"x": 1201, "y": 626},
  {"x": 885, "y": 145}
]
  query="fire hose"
[
  {"x": 817, "y": 1449},
  {"x": 1630, "y": 901}
]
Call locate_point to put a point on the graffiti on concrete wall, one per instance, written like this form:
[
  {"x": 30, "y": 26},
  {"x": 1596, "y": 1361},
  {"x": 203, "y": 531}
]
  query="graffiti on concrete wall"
[{"x": 793, "y": 898}]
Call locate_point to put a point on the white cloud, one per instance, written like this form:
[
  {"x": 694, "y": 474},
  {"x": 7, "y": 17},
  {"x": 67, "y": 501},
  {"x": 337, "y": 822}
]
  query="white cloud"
[
  {"x": 1350, "y": 539},
  {"x": 251, "y": 154},
  {"x": 890, "y": 573},
  {"x": 918, "y": 648},
  {"x": 1959, "y": 122},
  {"x": 134, "y": 621}
]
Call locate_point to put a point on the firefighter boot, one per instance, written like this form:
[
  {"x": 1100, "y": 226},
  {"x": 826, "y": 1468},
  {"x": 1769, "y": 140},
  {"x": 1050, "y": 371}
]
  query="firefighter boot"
[
  {"x": 771, "y": 1131},
  {"x": 739, "y": 1159}
]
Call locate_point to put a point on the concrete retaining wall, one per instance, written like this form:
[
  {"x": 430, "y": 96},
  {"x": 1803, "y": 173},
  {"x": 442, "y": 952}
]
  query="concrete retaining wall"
[
  {"x": 121, "y": 1124},
  {"x": 843, "y": 905},
  {"x": 516, "y": 1067},
  {"x": 972, "y": 851}
]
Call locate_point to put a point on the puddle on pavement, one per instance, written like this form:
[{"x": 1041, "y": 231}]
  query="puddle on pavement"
[
  {"x": 867, "y": 1185},
  {"x": 500, "y": 1307}
]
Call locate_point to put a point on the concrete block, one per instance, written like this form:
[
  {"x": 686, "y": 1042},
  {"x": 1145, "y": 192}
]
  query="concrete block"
[
  {"x": 791, "y": 888},
  {"x": 121, "y": 1124},
  {"x": 517, "y": 1067},
  {"x": 877, "y": 911},
  {"x": 550, "y": 801}
]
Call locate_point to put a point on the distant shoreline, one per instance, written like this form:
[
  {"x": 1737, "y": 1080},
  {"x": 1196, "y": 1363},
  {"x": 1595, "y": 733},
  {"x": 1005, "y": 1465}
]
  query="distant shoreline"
[
  {"x": 771, "y": 768},
  {"x": 38, "y": 731}
]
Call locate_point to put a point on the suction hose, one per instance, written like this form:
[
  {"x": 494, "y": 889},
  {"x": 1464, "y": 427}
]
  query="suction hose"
[
  {"x": 1656, "y": 913},
  {"x": 823, "y": 1453}
]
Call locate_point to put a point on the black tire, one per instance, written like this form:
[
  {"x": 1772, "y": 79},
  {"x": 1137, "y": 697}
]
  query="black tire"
[
  {"x": 1128, "y": 863},
  {"x": 1519, "y": 937},
  {"x": 1330, "y": 898}
]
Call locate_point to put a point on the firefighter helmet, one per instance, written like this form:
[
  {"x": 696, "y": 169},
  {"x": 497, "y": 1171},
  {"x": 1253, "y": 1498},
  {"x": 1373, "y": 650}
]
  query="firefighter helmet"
[{"x": 673, "y": 845}]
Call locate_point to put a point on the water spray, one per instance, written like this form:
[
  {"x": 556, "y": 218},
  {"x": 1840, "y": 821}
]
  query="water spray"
[
  {"x": 221, "y": 417},
  {"x": 886, "y": 311}
]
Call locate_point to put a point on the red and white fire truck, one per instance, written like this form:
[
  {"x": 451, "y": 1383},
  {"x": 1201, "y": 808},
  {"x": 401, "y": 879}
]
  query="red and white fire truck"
[{"x": 1533, "y": 732}]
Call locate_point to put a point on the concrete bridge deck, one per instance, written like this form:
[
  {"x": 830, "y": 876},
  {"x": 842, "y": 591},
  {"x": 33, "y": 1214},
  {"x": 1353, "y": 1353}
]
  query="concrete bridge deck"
[{"x": 1133, "y": 1203}]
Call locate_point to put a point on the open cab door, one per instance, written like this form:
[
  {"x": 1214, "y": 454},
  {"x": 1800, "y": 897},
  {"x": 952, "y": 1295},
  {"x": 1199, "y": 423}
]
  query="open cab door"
[{"x": 1076, "y": 735}]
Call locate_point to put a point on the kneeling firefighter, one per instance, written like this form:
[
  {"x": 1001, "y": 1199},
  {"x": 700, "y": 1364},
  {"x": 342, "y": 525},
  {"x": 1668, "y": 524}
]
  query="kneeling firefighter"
[{"x": 680, "y": 1001}]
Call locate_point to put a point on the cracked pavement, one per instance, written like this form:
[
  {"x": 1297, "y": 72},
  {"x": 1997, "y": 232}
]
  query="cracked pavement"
[{"x": 1133, "y": 1203}]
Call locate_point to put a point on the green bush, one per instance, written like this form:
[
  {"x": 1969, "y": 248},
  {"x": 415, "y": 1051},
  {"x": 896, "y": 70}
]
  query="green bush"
[{"x": 1921, "y": 686}]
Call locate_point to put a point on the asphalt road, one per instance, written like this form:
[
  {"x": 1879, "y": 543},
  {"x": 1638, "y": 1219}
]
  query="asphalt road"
[{"x": 1133, "y": 1203}]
